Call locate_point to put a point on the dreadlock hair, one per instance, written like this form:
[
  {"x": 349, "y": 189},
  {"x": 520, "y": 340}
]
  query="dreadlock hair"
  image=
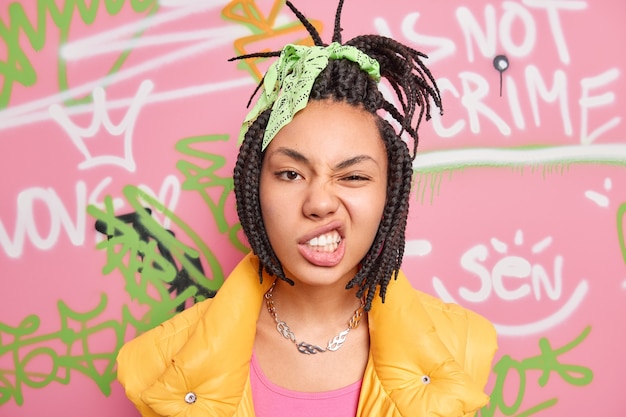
[{"x": 343, "y": 80}]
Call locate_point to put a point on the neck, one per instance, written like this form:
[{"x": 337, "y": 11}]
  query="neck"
[{"x": 315, "y": 304}]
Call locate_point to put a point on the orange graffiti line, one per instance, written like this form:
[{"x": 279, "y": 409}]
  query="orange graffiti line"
[
  {"x": 251, "y": 13},
  {"x": 252, "y": 63},
  {"x": 247, "y": 12}
]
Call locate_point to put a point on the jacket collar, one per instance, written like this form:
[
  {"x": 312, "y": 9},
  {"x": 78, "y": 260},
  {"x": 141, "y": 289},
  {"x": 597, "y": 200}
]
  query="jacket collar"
[{"x": 404, "y": 348}]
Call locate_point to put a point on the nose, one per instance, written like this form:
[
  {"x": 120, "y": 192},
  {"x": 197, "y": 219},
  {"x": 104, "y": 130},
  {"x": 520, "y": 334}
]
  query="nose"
[{"x": 321, "y": 200}]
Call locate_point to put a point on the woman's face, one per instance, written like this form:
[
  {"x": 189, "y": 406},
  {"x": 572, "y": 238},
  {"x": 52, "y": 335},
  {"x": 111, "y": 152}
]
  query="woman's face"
[{"x": 323, "y": 191}]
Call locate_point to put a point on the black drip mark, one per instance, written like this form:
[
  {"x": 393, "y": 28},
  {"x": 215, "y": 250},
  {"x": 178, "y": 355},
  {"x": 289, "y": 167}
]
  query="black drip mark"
[
  {"x": 146, "y": 232},
  {"x": 501, "y": 64}
]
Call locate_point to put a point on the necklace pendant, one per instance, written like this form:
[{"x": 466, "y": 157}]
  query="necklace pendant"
[
  {"x": 309, "y": 349},
  {"x": 284, "y": 330},
  {"x": 337, "y": 341}
]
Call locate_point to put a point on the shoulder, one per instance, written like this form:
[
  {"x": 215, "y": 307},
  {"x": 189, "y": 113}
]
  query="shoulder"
[
  {"x": 453, "y": 315},
  {"x": 421, "y": 335},
  {"x": 470, "y": 337},
  {"x": 176, "y": 328},
  {"x": 141, "y": 360},
  {"x": 166, "y": 339},
  {"x": 451, "y": 321},
  {"x": 198, "y": 344}
]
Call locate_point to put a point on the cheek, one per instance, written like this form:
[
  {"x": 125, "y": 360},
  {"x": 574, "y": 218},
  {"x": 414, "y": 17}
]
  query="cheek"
[
  {"x": 369, "y": 207},
  {"x": 378, "y": 208},
  {"x": 273, "y": 204},
  {"x": 269, "y": 213},
  {"x": 267, "y": 206},
  {"x": 266, "y": 196},
  {"x": 275, "y": 210}
]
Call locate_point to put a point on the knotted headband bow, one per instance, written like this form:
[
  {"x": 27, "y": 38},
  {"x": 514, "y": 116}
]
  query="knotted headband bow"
[{"x": 289, "y": 80}]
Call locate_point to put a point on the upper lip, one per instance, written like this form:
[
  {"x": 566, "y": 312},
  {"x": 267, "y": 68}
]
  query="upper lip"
[{"x": 334, "y": 225}]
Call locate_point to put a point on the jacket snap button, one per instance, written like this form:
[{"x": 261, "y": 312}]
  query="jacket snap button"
[
  {"x": 426, "y": 379},
  {"x": 190, "y": 398}
]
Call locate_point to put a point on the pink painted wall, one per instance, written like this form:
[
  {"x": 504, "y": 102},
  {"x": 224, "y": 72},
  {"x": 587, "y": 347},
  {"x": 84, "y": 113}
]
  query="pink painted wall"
[{"x": 518, "y": 210}]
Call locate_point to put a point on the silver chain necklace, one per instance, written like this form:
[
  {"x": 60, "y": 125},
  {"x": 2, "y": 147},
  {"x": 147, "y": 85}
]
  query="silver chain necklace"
[{"x": 303, "y": 347}]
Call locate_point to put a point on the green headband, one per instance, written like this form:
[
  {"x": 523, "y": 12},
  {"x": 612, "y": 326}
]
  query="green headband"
[{"x": 289, "y": 80}]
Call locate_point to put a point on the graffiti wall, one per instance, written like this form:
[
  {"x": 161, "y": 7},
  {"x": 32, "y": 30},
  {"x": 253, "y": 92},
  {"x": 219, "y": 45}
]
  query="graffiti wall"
[{"x": 118, "y": 131}]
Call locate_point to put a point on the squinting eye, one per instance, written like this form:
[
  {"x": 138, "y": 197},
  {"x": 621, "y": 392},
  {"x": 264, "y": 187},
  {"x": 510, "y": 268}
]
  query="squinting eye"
[{"x": 356, "y": 178}]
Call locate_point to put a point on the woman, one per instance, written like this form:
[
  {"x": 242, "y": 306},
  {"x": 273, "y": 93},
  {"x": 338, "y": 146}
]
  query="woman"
[{"x": 311, "y": 322}]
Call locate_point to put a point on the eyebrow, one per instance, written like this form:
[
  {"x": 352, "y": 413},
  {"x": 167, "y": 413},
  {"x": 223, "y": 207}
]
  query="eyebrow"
[{"x": 297, "y": 156}]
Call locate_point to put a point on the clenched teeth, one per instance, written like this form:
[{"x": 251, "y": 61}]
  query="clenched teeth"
[{"x": 327, "y": 242}]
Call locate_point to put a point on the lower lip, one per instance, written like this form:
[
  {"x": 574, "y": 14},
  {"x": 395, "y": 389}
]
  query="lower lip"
[{"x": 323, "y": 258}]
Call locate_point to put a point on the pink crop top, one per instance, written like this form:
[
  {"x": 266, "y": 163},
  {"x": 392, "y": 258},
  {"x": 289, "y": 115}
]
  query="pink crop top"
[{"x": 270, "y": 400}]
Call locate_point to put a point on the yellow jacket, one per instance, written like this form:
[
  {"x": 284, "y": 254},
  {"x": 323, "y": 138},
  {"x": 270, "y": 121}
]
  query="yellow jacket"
[{"x": 427, "y": 358}]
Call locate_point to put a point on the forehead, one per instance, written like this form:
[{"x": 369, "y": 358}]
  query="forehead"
[{"x": 331, "y": 130}]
